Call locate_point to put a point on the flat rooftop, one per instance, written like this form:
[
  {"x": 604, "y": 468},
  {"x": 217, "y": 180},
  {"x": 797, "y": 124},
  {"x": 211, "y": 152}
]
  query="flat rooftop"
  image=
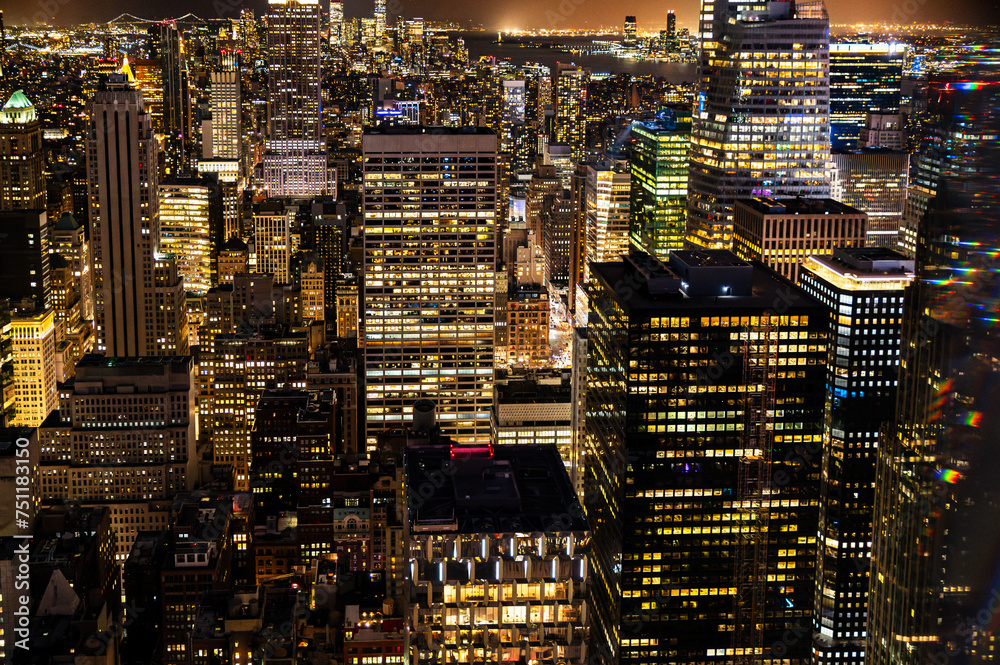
[
  {"x": 486, "y": 489},
  {"x": 867, "y": 262},
  {"x": 708, "y": 284},
  {"x": 416, "y": 130},
  {"x": 798, "y": 206}
]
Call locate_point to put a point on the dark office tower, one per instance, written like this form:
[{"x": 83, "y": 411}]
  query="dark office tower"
[
  {"x": 295, "y": 161},
  {"x": 863, "y": 78},
  {"x": 176, "y": 105},
  {"x": 659, "y": 181},
  {"x": 22, "y": 160},
  {"x": 24, "y": 258},
  {"x": 743, "y": 142},
  {"x": 933, "y": 595},
  {"x": 703, "y": 509},
  {"x": 862, "y": 289},
  {"x": 671, "y": 25},
  {"x": 135, "y": 288},
  {"x": 631, "y": 32}
]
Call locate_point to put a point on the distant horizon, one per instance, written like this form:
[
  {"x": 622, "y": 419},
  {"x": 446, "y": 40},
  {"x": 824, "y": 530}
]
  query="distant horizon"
[{"x": 518, "y": 14}]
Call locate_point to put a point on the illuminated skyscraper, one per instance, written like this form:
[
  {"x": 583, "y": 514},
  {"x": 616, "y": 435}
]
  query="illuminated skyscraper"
[
  {"x": 191, "y": 229},
  {"x": 659, "y": 164},
  {"x": 607, "y": 209},
  {"x": 22, "y": 160},
  {"x": 517, "y": 141},
  {"x": 381, "y": 20},
  {"x": 631, "y": 36},
  {"x": 862, "y": 289},
  {"x": 863, "y": 78},
  {"x": 873, "y": 181},
  {"x": 176, "y": 103},
  {"x": 337, "y": 23},
  {"x": 429, "y": 271},
  {"x": 696, "y": 552},
  {"x": 34, "y": 336},
  {"x": 761, "y": 122},
  {"x": 122, "y": 179},
  {"x": 571, "y": 109},
  {"x": 933, "y": 595},
  {"x": 70, "y": 242},
  {"x": 295, "y": 161},
  {"x": 226, "y": 138}
]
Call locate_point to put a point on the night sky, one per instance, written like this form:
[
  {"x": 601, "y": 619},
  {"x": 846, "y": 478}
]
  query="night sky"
[{"x": 514, "y": 13}]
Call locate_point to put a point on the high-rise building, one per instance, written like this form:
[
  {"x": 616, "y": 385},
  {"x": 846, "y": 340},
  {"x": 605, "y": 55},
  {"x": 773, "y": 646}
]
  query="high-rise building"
[
  {"x": 671, "y": 26},
  {"x": 874, "y": 181},
  {"x": 243, "y": 366},
  {"x": 34, "y": 345},
  {"x": 381, "y": 20},
  {"x": 70, "y": 242},
  {"x": 124, "y": 436},
  {"x": 863, "y": 78},
  {"x": 22, "y": 160},
  {"x": 883, "y": 130},
  {"x": 427, "y": 326},
  {"x": 8, "y": 384},
  {"x": 272, "y": 237},
  {"x": 933, "y": 594},
  {"x": 607, "y": 210},
  {"x": 191, "y": 229},
  {"x": 176, "y": 100},
  {"x": 122, "y": 179},
  {"x": 704, "y": 515},
  {"x": 743, "y": 142},
  {"x": 337, "y": 23},
  {"x": 295, "y": 162},
  {"x": 24, "y": 258},
  {"x": 659, "y": 164},
  {"x": 516, "y": 140},
  {"x": 631, "y": 37},
  {"x": 863, "y": 293},
  {"x": 571, "y": 109},
  {"x": 226, "y": 138},
  {"x": 784, "y": 232},
  {"x": 500, "y": 539}
]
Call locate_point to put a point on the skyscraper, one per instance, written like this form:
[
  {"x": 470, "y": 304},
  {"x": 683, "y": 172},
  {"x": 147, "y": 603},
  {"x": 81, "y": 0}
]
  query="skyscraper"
[
  {"x": 226, "y": 137},
  {"x": 517, "y": 145},
  {"x": 34, "y": 337},
  {"x": 22, "y": 160},
  {"x": 381, "y": 20},
  {"x": 863, "y": 77},
  {"x": 607, "y": 210},
  {"x": 571, "y": 109},
  {"x": 659, "y": 164},
  {"x": 337, "y": 23},
  {"x": 761, "y": 122},
  {"x": 122, "y": 186},
  {"x": 295, "y": 161},
  {"x": 933, "y": 592},
  {"x": 631, "y": 36},
  {"x": 191, "y": 229},
  {"x": 429, "y": 276},
  {"x": 24, "y": 258},
  {"x": 703, "y": 513},
  {"x": 176, "y": 103},
  {"x": 873, "y": 181},
  {"x": 862, "y": 289}
]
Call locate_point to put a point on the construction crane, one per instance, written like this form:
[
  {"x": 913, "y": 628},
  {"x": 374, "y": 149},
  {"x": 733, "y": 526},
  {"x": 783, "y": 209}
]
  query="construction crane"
[{"x": 753, "y": 490}]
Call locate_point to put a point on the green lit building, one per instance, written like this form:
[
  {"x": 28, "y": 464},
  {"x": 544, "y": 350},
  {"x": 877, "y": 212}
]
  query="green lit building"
[{"x": 659, "y": 181}]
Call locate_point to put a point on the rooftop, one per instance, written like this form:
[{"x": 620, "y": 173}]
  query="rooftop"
[
  {"x": 698, "y": 280},
  {"x": 486, "y": 489},
  {"x": 798, "y": 206},
  {"x": 416, "y": 130}
]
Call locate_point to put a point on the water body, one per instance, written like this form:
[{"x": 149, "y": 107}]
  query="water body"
[{"x": 526, "y": 49}]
